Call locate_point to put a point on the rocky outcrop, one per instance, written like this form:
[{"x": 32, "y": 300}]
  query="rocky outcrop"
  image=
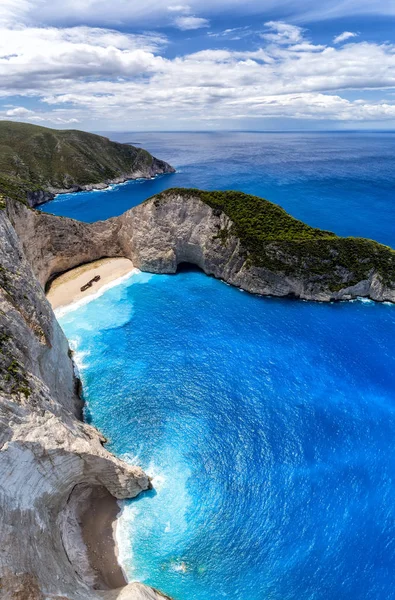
[
  {"x": 37, "y": 197},
  {"x": 46, "y": 452},
  {"x": 160, "y": 234},
  {"x": 163, "y": 232},
  {"x": 147, "y": 171},
  {"x": 157, "y": 167}
]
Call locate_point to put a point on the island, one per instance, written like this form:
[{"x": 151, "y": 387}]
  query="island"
[{"x": 53, "y": 466}]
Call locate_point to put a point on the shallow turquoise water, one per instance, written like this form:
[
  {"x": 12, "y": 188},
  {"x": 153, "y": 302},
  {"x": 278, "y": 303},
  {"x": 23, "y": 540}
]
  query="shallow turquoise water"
[{"x": 268, "y": 426}]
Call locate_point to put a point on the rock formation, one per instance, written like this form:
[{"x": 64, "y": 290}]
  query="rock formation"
[
  {"x": 49, "y": 460},
  {"x": 178, "y": 227},
  {"x": 47, "y": 455}
]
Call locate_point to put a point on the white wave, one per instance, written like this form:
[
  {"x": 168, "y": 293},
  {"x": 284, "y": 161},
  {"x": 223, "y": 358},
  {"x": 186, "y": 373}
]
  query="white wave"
[
  {"x": 63, "y": 310},
  {"x": 123, "y": 539},
  {"x": 365, "y": 300},
  {"x": 79, "y": 357}
]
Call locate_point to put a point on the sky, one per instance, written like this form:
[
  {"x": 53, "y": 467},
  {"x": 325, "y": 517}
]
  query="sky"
[{"x": 168, "y": 65}]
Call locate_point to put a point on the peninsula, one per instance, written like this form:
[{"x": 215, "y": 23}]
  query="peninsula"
[
  {"x": 38, "y": 162},
  {"x": 52, "y": 465}
]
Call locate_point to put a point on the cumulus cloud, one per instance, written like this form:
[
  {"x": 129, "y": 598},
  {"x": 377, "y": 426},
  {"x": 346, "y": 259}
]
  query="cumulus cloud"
[
  {"x": 38, "y": 57},
  {"x": 19, "y": 111},
  {"x": 282, "y": 33},
  {"x": 346, "y": 35},
  {"x": 104, "y": 76},
  {"x": 59, "y": 116},
  {"x": 189, "y": 23}
]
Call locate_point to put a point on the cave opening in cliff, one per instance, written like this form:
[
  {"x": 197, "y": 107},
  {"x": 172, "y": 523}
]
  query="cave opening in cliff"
[{"x": 188, "y": 267}]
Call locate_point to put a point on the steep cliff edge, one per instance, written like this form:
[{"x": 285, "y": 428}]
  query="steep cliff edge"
[
  {"x": 37, "y": 162},
  {"x": 246, "y": 241},
  {"x": 254, "y": 244},
  {"x": 49, "y": 459}
]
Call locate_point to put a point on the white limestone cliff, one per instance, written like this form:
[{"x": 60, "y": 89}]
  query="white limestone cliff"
[{"x": 46, "y": 452}]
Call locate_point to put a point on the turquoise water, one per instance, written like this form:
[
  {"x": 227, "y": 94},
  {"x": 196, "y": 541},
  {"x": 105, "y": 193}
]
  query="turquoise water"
[{"x": 268, "y": 425}]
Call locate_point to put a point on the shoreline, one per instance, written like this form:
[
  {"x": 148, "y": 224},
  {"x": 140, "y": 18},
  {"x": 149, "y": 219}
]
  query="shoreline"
[
  {"x": 105, "y": 185},
  {"x": 98, "y": 529},
  {"x": 65, "y": 290},
  {"x": 98, "y": 515},
  {"x": 45, "y": 196}
]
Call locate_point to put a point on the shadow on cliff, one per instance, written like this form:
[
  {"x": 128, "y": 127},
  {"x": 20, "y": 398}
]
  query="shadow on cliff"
[{"x": 186, "y": 267}]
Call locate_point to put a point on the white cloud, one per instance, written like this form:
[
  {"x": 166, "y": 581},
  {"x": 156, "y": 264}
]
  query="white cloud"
[
  {"x": 282, "y": 33},
  {"x": 19, "y": 111},
  {"x": 54, "y": 117},
  {"x": 235, "y": 33},
  {"x": 185, "y": 8},
  {"x": 189, "y": 23},
  {"x": 109, "y": 78},
  {"x": 38, "y": 58},
  {"x": 346, "y": 35},
  {"x": 12, "y": 11},
  {"x": 153, "y": 13}
]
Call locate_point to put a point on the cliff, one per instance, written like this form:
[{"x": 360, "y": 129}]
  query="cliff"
[
  {"x": 51, "y": 462},
  {"x": 246, "y": 241},
  {"x": 38, "y": 162}
]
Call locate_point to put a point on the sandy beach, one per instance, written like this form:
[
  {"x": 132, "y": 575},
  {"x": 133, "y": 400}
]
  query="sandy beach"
[
  {"x": 66, "y": 289},
  {"x": 98, "y": 520},
  {"x": 98, "y": 532}
]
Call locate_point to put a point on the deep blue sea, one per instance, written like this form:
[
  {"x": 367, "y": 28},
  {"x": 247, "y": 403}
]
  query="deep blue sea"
[
  {"x": 339, "y": 181},
  {"x": 268, "y": 425}
]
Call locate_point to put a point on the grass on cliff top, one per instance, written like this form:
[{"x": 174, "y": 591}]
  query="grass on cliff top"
[
  {"x": 10, "y": 187},
  {"x": 274, "y": 239},
  {"x": 46, "y": 157}
]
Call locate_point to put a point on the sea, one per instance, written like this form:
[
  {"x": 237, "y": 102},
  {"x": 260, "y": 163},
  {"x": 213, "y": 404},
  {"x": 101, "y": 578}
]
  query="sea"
[{"x": 267, "y": 425}]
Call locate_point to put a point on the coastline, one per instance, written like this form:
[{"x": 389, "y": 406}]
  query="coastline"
[
  {"x": 44, "y": 196},
  {"x": 99, "y": 510},
  {"x": 65, "y": 290},
  {"x": 104, "y": 185},
  {"x": 98, "y": 526}
]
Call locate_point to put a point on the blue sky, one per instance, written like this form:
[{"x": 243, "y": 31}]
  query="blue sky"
[{"x": 198, "y": 64}]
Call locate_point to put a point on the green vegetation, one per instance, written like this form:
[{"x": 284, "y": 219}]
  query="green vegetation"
[
  {"x": 12, "y": 377},
  {"x": 36, "y": 158},
  {"x": 273, "y": 239},
  {"x": 17, "y": 189}
]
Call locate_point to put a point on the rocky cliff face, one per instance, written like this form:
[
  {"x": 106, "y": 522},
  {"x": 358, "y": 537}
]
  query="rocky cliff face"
[
  {"x": 142, "y": 170},
  {"x": 47, "y": 455},
  {"x": 165, "y": 231}
]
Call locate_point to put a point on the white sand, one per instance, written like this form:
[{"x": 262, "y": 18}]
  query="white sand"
[{"x": 66, "y": 289}]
